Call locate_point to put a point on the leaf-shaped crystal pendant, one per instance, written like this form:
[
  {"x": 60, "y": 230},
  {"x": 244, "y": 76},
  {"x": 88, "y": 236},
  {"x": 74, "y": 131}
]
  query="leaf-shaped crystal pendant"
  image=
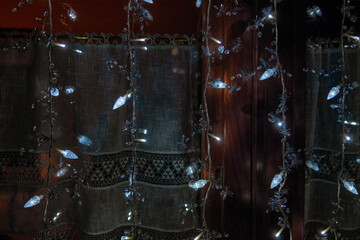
[
  {"x": 68, "y": 154},
  {"x": 147, "y": 15},
  {"x": 276, "y": 180},
  {"x": 35, "y": 200},
  {"x": 218, "y": 84},
  {"x": 54, "y": 92},
  {"x": 198, "y": 3},
  {"x": 314, "y": 166},
  {"x": 148, "y": 1},
  {"x": 69, "y": 89},
  {"x": 84, "y": 140},
  {"x": 72, "y": 14},
  {"x": 190, "y": 170},
  {"x": 198, "y": 184},
  {"x": 128, "y": 193},
  {"x": 333, "y": 92},
  {"x": 268, "y": 73},
  {"x": 350, "y": 187},
  {"x": 121, "y": 100},
  {"x": 61, "y": 172}
]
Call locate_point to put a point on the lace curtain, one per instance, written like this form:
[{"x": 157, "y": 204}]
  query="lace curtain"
[
  {"x": 90, "y": 196},
  {"x": 323, "y": 142}
]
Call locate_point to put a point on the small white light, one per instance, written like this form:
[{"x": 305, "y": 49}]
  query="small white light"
[
  {"x": 280, "y": 124},
  {"x": 139, "y": 39},
  {"x": 215, "y": 40},
  {"x": 279, "y": 232},
  {"x": 351, "y": 123},
  {"x": 270, "y": 16},
  {"x": 140, "y": 140},
  {"x": 347, "y": 138},
  {"x": 56, "y": 217},
  {"x": 215, "y": 137},
  {"x": 323, "y": 232},
  {"x": 126, "y": 238},
  {"x": 356, "y": 38},
  {"x": 198, "y": 236},
  {"x": 62, "y": 45},
  {"x": 78, "y": 51}
]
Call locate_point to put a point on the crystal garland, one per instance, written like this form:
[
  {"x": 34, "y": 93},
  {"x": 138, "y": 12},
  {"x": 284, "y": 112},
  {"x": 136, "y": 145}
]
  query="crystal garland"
[
  {"x": 274, "y": 69},
  {"x": 286, "y": 150},
  {"x": 51, "y": 65},
  {"x": 205, "y": 124},
  {"x": 47, "y": 102},
  {"x": 137, "y": 11},
  {"x": 344, "y": 87},
  {"x": 207, "y": 120}
]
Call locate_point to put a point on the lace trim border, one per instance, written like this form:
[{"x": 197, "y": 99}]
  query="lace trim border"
[
  {"x": 22, "y": 39},
  {"x": 329, "y": 43},
  {"x": 100, "y": 171},
  {"x": 71, "y": 232},
  {"x": 329, "y": 164}
]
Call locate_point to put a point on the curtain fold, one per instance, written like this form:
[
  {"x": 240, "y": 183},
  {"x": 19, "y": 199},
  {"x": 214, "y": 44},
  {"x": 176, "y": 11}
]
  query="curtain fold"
[{"x": 90, "y": 198}]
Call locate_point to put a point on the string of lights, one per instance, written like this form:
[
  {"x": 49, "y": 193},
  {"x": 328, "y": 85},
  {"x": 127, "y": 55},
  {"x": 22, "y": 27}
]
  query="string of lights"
[
  {"x": 136, "y": 13},
  {"x": 47, "y": 101},
  {"x": 339, "y": 178},
  {"x": 130, "y": 52},
  {"x": 210, "y": 183},
  {"x": 274, "y": 69},
  {"x": 285, "y": 133},
  {"x": 51, "y": 140},
  {"x": 344, "y": 87},
  {"x": 280, "y": 179},
  {"x": 207, "y": 119}
]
